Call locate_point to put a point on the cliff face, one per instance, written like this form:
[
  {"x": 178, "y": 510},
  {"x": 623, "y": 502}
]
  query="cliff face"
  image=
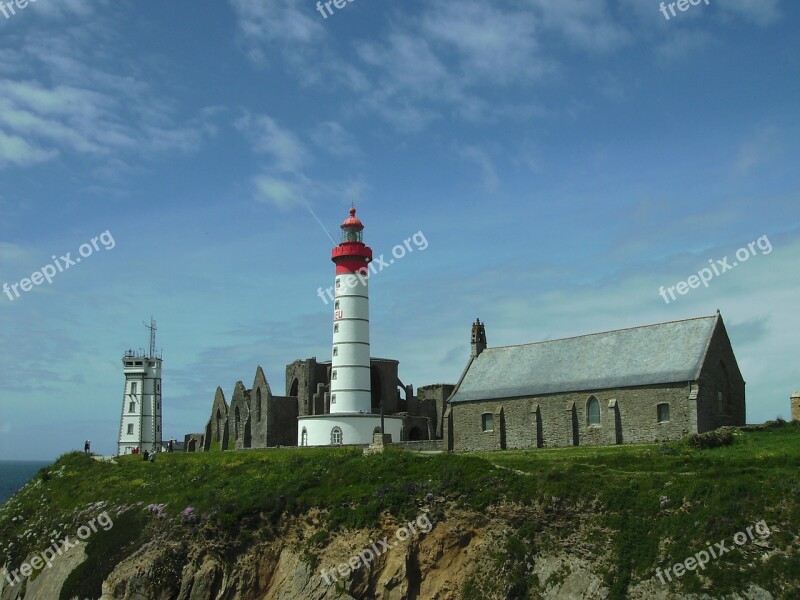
[{"x": 463, "y": 555}]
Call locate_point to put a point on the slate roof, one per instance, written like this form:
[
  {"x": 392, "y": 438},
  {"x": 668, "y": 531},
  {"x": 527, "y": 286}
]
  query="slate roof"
[{"x": 646, "y": 355}]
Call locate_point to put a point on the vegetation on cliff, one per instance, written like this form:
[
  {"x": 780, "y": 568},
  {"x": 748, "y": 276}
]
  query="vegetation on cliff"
[{"x": 651, "y": 505}]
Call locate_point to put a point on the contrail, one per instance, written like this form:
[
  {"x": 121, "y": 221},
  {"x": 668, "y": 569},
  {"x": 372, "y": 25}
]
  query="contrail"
[{"x": 313, "y": 214}]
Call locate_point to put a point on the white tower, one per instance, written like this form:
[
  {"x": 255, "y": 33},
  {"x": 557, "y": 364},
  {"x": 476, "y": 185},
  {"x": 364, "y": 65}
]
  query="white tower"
[
  {"x": 140, "y": 423},
  {"x": 350, "y": 420},
  {"x": 350, "y": 374}
]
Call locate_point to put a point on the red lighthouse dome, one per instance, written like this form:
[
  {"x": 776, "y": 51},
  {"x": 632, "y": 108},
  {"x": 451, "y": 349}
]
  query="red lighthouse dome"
[{"x": 353, "y": 221}]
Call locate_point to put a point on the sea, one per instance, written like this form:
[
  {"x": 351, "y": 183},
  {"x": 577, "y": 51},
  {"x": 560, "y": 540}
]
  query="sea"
[{"x": 16, "y": 473}]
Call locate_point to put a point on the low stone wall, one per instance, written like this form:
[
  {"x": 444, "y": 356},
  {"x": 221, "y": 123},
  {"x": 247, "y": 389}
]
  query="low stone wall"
[{"x": 422, "y": 445}]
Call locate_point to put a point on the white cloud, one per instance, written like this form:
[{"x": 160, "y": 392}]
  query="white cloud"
[
  {"x": 484, "y": 162},
  {"x": 759, "y": 149},
  {"x": 281, "y": 25},
  {"x": 761, "y": 12},
  {"x": 15, "y": 150},
  {"x": 267, "y": 137},
  {"x": 331, "y": 137},
  {"x": 281, "y": 192},
  {"x": 585, "y": 24}
]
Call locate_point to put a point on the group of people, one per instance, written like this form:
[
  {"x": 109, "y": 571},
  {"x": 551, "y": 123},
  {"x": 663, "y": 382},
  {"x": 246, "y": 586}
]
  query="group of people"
[{"x": 151, "y": 456}]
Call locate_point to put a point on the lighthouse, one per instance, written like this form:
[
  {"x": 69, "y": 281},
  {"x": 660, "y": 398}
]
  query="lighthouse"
[
  {"x": 350, "y": 419},
  {"x": 350, "y": 374}
]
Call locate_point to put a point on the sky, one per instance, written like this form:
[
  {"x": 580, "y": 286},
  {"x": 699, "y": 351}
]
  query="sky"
[{"x": 560, "y": 162}]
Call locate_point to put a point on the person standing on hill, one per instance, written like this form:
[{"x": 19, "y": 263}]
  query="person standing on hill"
[{"x": 87, "y": 447}]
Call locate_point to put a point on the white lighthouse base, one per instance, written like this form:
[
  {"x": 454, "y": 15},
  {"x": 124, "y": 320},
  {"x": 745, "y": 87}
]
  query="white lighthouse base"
[{"x": 356, "y": 428}]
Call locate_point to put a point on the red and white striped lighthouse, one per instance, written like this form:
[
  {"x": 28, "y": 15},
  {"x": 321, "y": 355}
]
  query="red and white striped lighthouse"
[
  {"x": 350, "y": 368},
  {"x": 349, "y": 419}
]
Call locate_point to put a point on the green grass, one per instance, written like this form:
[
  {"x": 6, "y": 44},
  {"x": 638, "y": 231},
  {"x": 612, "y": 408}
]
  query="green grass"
[{"x": 711, "y": 494}]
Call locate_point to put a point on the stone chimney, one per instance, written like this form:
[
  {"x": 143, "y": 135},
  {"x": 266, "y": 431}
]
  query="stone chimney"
[{"x": 478, "y": 338}]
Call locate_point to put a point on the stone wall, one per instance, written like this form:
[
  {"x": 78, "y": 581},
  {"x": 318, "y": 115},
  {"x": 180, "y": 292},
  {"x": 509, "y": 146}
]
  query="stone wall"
[
  {"x": 302, "y": 378},
  {"x": 260, "y": 394},
  {"x": 384, "y": 382},
  {"x": 416, "y": 428},
  {"x": 432, "y": 403},
  {"x": 193, "y": 442},
  {"x": 422, "y": 446},
  {"x": 627, "y": 416},
  {"x": 795, "y": 406},
  {"x": 216, "y": 434},
  {"x": 282, "y": 424},
  {"x": 721, "y": 388},
  {"x": 239, "y": 424}
]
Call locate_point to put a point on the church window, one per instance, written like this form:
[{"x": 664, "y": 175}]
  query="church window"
[
  {"x": 258, "y": 403},
  {"x": 487, "y": 422},
  {"x": 663, "y": 413},
  {"x": 336, "y": 435},
  {"x": 130, "y": 428},
  {"x": 593, "y": 412}
]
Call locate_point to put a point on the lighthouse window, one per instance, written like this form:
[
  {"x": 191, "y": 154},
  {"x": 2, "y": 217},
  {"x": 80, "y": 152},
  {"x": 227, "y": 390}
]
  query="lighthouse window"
[
  {"x": 132, "y": 407},
  {"x": 336, "y": 328},
  {"x": 133, "y": 387},
  {"x": 336, "y": 435},
  {"x": 336, "y": 305},
  {"x": 338, "y": 283},
  {"x": 130, "y": 428},
  {"x": 333, "y": 375},
  {"x": 333, "y": 398},
  {"x": 336, "y": 350}
]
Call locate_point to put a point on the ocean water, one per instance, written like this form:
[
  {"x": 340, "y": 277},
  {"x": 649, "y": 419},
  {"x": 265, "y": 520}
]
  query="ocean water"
[{"x": 14, "y": 474}]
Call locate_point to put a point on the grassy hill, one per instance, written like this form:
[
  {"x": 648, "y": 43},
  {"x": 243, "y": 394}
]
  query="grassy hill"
[{"x": 658, "y": 504}]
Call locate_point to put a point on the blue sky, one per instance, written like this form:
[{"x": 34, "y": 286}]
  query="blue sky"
[{"x": 564, "y": 159}]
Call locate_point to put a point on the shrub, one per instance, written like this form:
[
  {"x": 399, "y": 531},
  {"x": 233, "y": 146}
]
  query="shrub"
[{"x": 710, "y": 439}]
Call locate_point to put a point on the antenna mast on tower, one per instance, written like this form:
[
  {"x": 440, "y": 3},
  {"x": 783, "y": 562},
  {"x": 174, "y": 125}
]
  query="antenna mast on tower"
[{"x": 152, "y": 327}]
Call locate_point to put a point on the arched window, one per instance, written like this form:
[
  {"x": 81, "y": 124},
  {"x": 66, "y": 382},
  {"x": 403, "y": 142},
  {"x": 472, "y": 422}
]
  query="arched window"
[
  {"x": 336, "y": 436},
  {"x": 236, "y": 423},
  {"x": 304, "y": 437},
  {"x": 295, "y": 388},
  {"x": 258, "y": 403},
  {"x": 593, "y": 412},
  {"x": 487, "y": 422},
  {"x": 662, "y": 410}
]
